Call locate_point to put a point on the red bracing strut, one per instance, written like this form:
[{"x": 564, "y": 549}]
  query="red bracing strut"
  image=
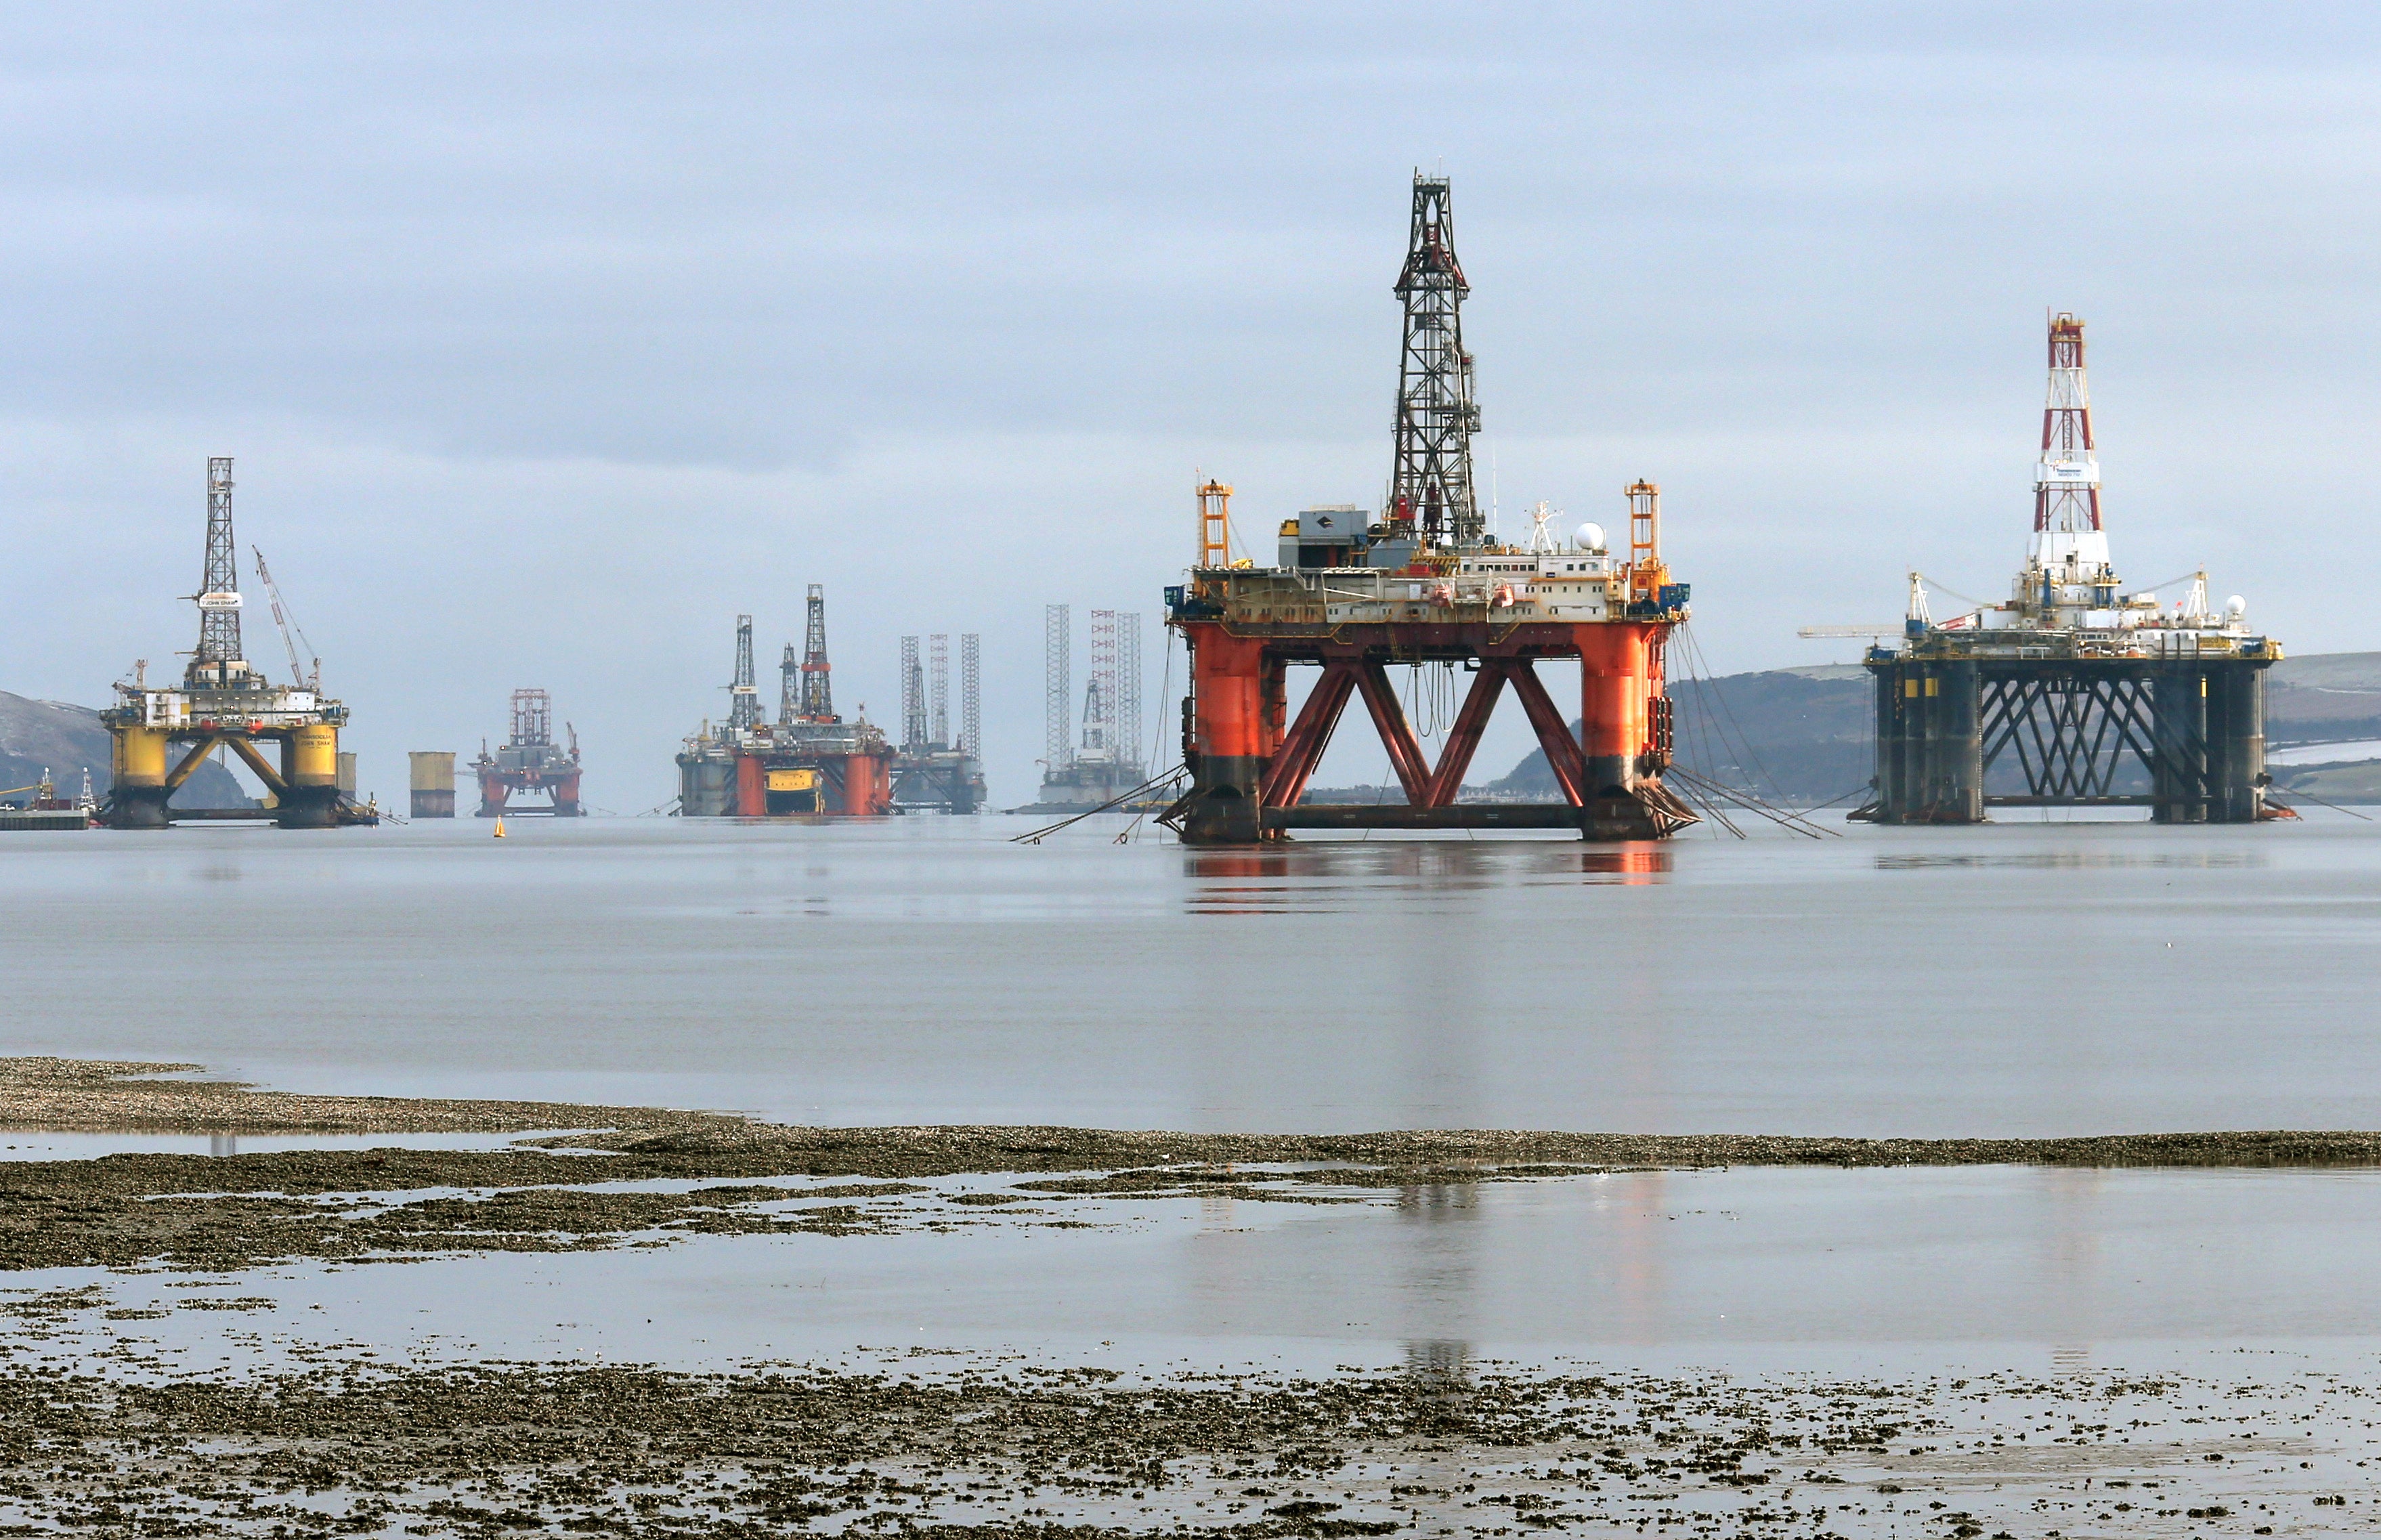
[
  {"x": 1464, "y": 739},
  {"x": 1396, "y": 734},
  {"x": 1554, "y": 735},
  {"x": 1295, "y": 762}
]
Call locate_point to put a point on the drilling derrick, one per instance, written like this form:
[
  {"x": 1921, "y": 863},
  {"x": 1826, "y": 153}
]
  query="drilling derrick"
[
  {"x": 219, "y": 600},
  {"x": 744, "y": 695},
  {"x": 530, "y": 763},
  {"x": 1430, "y": 498},
  {"x": 162, "y": 736},
  {"x": 818, "y": 697},
  {"x": 1424, "y": 587},
  {"x": 2071, "y": 694},
  {"x": 809, "y": 761}
]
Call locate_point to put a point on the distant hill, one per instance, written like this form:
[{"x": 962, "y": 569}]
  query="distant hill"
[
  {"x": 1807, "y": 735},
  {"x": 2328, "y": 698},
  {"x": 38, "y": 735}
]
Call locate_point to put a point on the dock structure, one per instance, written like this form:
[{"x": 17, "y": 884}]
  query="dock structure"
[
  {"x": 1424, "y": 583},
  {"x": 2089, "y": 697},
  {"x": 161, "y": 734}
]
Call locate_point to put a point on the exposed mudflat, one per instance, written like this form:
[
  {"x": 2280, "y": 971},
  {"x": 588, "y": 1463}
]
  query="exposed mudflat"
[
  {"x": 103, "y": 1432},
  {"x": 574, "y": 1191},
  {"x": 926, "y": 1444}
]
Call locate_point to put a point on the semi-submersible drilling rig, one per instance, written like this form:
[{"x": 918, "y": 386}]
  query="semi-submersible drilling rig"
[
  {"x": 529, "y": 762},
  {"x": 809, "y": 761},
  {"x": 1424, "y": 584},
  {"x": 223, "y": 701},
  {"x": 2094, "y": 697}
]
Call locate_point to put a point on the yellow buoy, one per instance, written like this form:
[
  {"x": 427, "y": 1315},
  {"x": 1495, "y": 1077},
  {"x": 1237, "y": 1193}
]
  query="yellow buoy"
[{"x": 500, "y": 828}]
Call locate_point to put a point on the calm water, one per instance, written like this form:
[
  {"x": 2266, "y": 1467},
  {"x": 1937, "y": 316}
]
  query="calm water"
[
  {"x": 1977, "y": 1266},
  {"x": 2026, "y": 979}
]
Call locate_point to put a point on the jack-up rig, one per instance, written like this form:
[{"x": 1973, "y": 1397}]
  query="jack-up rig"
[
  {"x": 1425, "y": 584},
  {"x": 809, "y": 761},
  {"x": 530, "y": 763},
  {"x": 223, "y": 702},
  {"x": 1100, "y": 763},
  {"x": 937, "y": 772},
  {"x": 2101, "y": 699}
]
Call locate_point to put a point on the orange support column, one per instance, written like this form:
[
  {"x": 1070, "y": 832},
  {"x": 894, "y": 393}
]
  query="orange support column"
[
  {"x": 1616, "y": 688},
  {"x": 1235, "y": 727},
  {"x": 751, "y": 800}
]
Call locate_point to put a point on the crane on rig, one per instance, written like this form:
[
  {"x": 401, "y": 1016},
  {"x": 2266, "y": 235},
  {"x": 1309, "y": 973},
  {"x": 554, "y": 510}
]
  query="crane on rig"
[{"x": 305, "y": 680}]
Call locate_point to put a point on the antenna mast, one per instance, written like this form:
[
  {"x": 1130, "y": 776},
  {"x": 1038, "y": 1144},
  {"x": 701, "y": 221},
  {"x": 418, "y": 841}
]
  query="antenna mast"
[{"x": 1431, "y": 497}]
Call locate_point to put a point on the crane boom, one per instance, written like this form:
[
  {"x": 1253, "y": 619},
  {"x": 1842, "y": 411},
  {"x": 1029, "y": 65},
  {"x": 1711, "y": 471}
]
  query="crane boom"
[{"x": 281, "y": 618}]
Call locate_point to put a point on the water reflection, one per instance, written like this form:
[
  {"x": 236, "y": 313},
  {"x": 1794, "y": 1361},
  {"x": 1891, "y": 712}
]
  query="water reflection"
[
  {"x": 1336, "y": 876},
  {"x": 2080, "y": 861}
]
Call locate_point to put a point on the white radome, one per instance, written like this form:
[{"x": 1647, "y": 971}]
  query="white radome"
[
  {"x": 2236, "y": 606},
  {"x": 1590, "y": 537}
]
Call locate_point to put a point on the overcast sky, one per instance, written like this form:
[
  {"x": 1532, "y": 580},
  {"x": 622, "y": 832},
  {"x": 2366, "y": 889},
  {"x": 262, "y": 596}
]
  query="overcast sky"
[{"x": 547, "y": 338}]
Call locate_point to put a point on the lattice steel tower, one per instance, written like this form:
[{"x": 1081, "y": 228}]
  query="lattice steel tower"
[
  {"x": 971, "y": 695},
  {"x": 818, "y": 700},
  {"x": 938, "y": 690},
  {"x": 1099, "y": 696},
  {"x": 219, "y": 590},
  {"x": 790, "y": 688},
  {"x": 532, "y": 717},
  {"x": 913, "y": 699},
  {"x": 2066, "y": 481},
  {"x": 743, "y": 696},
  {"x": 1127, "y": 696},
  {"x": 1058, "y": 741},
  {"x": 1430, "y": 485}
]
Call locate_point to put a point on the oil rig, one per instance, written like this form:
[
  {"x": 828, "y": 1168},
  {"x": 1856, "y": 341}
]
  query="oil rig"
[
  {"x": 530, "y": 763},
  {"x": 223, "y": 702},
  {"x": 2095, "y": 697},
  {"x": 1094, "y": 761},
  {"x": 1424, "y": 584},
  {"x": 937, "y": 772},
  {"x": 809, "y": 761}
]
